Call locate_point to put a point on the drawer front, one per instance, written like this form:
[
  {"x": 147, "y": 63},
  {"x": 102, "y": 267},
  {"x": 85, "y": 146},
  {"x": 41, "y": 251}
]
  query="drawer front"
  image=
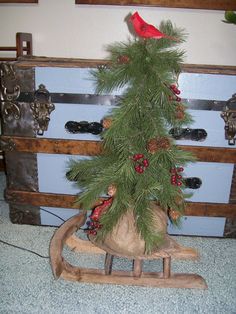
[
  {"x": 216, "y": 178},
  {"x": 208, "y": 120},
  {"x": 215, "y": 88},
  {"x": 190, "y": 225},
  {"x": 216, "y": 182}
]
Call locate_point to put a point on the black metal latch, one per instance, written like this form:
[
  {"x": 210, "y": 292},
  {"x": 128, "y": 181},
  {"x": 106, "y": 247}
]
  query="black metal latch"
[
  {"x": 193, "y": 183},
  {"x": 188, "y": 134},
  {"x": 84, "y": 127}
]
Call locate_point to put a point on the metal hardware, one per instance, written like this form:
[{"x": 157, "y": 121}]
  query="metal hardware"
[
  {"x": 229, "y": 116},
  {"x": 114, "y": 100},
  {"x": 9, "y": 92},
  {"x": 204, "y": 104},
  {"x": 42, "y": 108},
  {"x": 83, "y": 127},
  {"x": 193, "y": 183},
  {"x": 7, "y": 145},
  {"x": 188, "y": 134},
  {"x": 10, "y": 110}
]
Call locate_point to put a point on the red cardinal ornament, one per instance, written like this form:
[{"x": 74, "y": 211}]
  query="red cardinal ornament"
[{"x": 146, "y": 30}]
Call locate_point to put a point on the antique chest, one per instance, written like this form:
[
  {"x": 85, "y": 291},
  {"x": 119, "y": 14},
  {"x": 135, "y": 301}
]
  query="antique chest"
[{"x": 40, "y": 95}]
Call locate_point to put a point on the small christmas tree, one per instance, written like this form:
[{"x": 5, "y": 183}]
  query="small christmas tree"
[{"x": 140, "y": 164}]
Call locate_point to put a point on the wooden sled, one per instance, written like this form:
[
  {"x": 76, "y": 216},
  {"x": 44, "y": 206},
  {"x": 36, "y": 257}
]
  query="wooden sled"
[{"x": 165, "y": 279}]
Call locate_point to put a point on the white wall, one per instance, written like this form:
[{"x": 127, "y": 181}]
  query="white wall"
[{"x": 62, "y": 29}]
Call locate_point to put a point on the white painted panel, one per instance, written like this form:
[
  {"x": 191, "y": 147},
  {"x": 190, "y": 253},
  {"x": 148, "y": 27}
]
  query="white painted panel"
[
  {"x": 207, "y": 86},
  {"x": 67, "y": 80},
  {"x": 216, "y": 181},
  {"x": 199, "y": 226},
  {"x": 51, "y": 173},
  {"x": 214, "y": 126},
  {"x": 67, "y": 112},
  {"x": 48, "y": 219},
  {"x": 192, "y": 85}
]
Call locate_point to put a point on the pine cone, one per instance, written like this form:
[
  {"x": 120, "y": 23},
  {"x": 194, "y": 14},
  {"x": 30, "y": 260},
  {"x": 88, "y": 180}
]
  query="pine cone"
[
  {"x": 174, "y": 214},
  {"x": 163, "y": 142},
  {"x": 156, "y": 144},
  {"x": 152, "y": 146},
  {"x": 111, "y": 190},
  {"x": 106, "y": 122},
  {"x": 180, "y": 112},
  {"x": 123, "y": 59}
]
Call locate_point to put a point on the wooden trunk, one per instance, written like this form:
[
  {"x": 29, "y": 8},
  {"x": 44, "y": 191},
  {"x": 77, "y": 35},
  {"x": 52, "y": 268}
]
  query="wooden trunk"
[{"x": 36, "y": 159}]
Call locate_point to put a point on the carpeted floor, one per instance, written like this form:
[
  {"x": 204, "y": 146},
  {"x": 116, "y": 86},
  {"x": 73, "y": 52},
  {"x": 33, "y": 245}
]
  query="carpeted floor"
[{"x": 27, "y": 285}]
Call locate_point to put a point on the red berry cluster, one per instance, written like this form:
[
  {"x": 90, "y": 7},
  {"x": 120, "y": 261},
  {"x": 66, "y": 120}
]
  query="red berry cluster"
[
  {"x": 141, "y": 163},
  {"x": 93, "y": 226},
  {"x": 176, "y": 91},
  {"x": 175, "y": 176}
]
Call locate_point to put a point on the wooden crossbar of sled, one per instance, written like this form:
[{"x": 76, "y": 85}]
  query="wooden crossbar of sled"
[{"x": 165, "y": 279}]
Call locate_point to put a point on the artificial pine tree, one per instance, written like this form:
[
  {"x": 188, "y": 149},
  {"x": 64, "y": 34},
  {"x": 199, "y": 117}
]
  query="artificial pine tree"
[{"x": 140, "y": 164}]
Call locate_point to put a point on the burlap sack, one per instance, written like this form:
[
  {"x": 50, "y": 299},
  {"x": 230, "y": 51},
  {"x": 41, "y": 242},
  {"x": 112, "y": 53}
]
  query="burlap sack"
[{"x": 124, "y": 240}]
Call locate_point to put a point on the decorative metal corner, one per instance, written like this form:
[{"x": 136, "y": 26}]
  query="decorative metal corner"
[
  {"x": 7, "y": 145},
  {"x": 41, "y": 109},
  {"x": 229, "y": 116},
  {"x": 9, "y": 92}
]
